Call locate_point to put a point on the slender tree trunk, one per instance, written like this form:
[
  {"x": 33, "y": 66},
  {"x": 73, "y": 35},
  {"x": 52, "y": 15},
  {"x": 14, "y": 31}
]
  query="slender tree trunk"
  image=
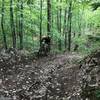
[
  {"x": 2, "y": 25},
  {"x": 65, "y": 20},
  {"x": 31, "y": 23},
  {"x": 65, "y": 26},
  {"x": 16, "y": 26},
  {"x": 79, "y": 23},
  {"x": 60, "y": 27},
  {"x": 12, "y": 24},
  {"x": 49, "y": 17},
  {"x": 21, "y": 26},
  {"x": 40, "y": 21},
  {"x": 58, "y": 17},
  {"x": 69, "y": 25},
  {"x": 52, "y": 18},
  {"x": 18, "y": 19}
]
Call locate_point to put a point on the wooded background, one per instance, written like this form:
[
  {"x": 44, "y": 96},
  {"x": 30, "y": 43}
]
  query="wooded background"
[{"x": 70, "y": 24}]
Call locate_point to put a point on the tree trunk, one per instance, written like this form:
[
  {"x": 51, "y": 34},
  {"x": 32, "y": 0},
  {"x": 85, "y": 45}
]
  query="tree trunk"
[
  {"x": 49, "y": 17},
  {"x": 2, "y": 25},
  {"x": 40, "y": 21},
  {"x": 31, "y": 23},
  {"x": 18, "y": 19},
  {"x": 12, "y": 24},
  {"x": 60, "y": 27},
  {"x": 21, "y": 26},
  {"x": 16, "y": 24},
  {"x": 52, "y": 19},
  {"x": 79, "y": 23},
  {"x": 58, "y": 17},
  {"x": 69, "y": 25},
  {"x": 64, "y": 27},
  {"x": 65, "y": 20}
]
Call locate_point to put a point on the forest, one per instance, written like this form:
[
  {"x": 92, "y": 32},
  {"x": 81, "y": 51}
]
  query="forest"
[{"x": 49, "y": 49}]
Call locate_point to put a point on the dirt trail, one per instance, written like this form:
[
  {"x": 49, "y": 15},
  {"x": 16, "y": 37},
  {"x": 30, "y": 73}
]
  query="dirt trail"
[{"x": 48, "y": 78}]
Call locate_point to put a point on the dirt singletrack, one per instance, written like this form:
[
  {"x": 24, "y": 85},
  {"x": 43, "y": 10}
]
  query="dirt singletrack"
[{"x": 47, "y": 78}]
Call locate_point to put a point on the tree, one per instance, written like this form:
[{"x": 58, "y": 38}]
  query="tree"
[
  {"x": 65, "y": 26},
  {"x": 60, "y": 27},
  {"x": 69, "y": 24},
  {"x": 58, "y": 17},
  {"x": 49, "y": 17},
  {"x": 21, "y": 25},
  {"x": 12, "y": 24},
  {"x": 2, "y": 25},
  {"x": 40, "y": 21}
]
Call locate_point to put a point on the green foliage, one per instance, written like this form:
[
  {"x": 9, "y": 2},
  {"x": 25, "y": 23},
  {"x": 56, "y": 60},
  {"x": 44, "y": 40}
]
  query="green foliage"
[
  {"x": 81, "y": 41},
  {"x": 83, "y": 19},
  {"x": 97, "y": 93},
  {"x": 85, "y": 45}
]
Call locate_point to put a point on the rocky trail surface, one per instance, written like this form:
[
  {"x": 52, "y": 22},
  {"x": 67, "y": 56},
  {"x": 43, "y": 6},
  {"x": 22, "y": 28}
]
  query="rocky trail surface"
[{"x": 55, "y": 77}]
